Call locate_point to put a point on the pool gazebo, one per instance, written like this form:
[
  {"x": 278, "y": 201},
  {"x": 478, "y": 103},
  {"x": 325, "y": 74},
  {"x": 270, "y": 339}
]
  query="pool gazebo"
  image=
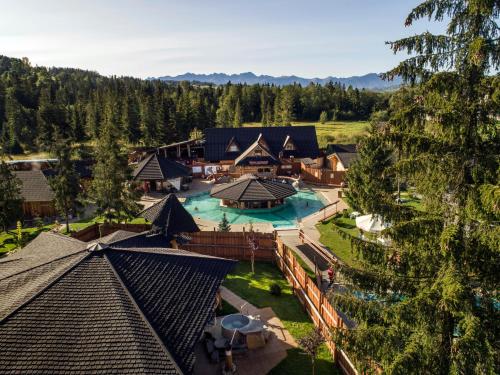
[{"x": 252, "y": 192}]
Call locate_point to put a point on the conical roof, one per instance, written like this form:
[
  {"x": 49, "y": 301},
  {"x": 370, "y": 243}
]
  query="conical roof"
[
  {"x": 170, "y": 216},
  {"x": 252, "y": 188}
]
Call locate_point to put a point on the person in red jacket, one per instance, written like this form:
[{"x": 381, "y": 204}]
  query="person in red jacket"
[{"x": 331, "y": 274}]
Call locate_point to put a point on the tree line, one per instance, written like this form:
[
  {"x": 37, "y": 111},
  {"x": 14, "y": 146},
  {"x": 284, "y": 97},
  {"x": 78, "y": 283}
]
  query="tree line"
[{"x": 36, "y": 101}]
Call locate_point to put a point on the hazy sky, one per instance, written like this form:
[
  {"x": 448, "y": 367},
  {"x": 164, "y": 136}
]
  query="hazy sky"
[{"x": 309, "y": 38}]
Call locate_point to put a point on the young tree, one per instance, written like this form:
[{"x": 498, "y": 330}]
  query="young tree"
[
  {"x": 66, "y": 183},
  {"x": 311, "y": 343},
  {"x": 10, "y": 197},
  {"x": 224, "y": 225},
  {"x": 323, "y": 117},
  {"x": 436, "y": 283},
  {"x": 238, "y": 120},
  {"x": 113, "y": 195}
]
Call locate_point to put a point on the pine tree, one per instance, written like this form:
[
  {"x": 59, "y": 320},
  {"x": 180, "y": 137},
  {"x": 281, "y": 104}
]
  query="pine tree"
[
  {"x": 237, "y": 121},
  {"x": 436, "y": 283},
  {"x": 10, "y": 197},
  {"x": 224, "y": 225},
  {"x": 110, "y": 190}
]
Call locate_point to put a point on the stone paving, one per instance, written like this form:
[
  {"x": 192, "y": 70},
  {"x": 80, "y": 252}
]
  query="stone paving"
[{"x": 257, "y": 361}]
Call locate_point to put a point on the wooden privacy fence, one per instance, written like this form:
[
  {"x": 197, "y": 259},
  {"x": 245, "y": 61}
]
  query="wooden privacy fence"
[
  {"x": 232, "y": 245},
  {"x": 96, "y": 231},
  {"x": 322, "y": 176},
  {"x": 314, "y": 301}
]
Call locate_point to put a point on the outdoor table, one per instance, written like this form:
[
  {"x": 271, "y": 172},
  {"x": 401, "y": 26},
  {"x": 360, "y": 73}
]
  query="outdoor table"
[{"x": 220, "y": 343}]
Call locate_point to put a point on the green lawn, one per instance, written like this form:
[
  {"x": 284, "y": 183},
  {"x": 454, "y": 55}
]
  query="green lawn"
[
  {"x": 333, "y": 131},
  {"x": 84, "y": 223},
  {"x": 341, "y": 247},
  {"x": 255, "y": 289},
  {"x": 8, "y": 239}
]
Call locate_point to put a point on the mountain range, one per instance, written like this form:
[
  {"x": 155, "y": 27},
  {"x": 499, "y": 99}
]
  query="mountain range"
[{"x": 370, "y": 81}]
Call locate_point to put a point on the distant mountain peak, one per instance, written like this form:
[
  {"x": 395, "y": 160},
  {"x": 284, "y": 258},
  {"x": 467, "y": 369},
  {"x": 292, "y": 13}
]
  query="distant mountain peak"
[{"x": 370, "y": 81}]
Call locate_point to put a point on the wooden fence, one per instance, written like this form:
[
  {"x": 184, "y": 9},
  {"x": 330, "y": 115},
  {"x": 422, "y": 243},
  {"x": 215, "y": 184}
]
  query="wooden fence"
[
  {"x": 322, "y": 176},
  {"x": 314, "y": 301},
  {"x": 232, "y": 245},
  {"x": 96, "y": 231}
]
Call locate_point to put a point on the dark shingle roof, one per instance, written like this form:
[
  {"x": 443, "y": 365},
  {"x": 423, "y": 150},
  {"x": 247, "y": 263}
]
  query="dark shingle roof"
[
  {"x": 303, "y": 137},
  {"x": 156, "y": 167},
  {"x": 34, "y": 186},
  {"x": 113, "y": 310},
  {"x": 251, "y": 188},
  {"x": 347, "y": 153},
  {"x": 170, "y": 216}
]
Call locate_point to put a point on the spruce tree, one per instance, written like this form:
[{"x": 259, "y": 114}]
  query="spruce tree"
[
  {"x": 224, "y": 225},
  {"x": 237, "y": 121},
  {"x": 66, "y": 183},
  {"x": 10, "y": 197},
  {"x": 113, "y": 195},
  {"x": 435, "y": 286}
]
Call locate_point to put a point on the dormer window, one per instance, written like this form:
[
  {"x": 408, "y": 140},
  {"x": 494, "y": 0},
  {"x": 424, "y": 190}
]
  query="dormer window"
[
  {"x": 258, "y": 152},
  {"x": 233, "y": 146},
  {"x": 288, "y": 144}
]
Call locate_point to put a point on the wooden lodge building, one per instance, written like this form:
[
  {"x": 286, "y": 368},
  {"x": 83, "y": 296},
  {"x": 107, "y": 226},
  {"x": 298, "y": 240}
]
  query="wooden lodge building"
[
  {"x": 265, "y": 151},
  {"x": 38, "y": 197},
  {"x": 251, "y": 192},
  {"x": 158, "y": 173}
]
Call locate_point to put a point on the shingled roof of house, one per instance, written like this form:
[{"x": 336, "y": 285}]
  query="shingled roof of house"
[
  {"x": 170, "y": 216},
  {"x": 34, "y": 186},
  {"x": 303, "y": 138},
  {"x": 347, "y": 153},
  {"x": 252, "y": 188},
  {"x": 112, "y": 310},
  {"x": 156, "y": 167}
]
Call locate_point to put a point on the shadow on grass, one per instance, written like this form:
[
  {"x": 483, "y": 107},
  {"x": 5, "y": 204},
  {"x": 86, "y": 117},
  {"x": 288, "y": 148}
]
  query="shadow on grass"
[
  {"x": 255, "y": 289},
  {"x": 298, "y": 362}
]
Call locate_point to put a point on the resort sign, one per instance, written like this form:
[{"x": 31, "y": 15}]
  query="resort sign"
[{"x": 258, "y": 162}]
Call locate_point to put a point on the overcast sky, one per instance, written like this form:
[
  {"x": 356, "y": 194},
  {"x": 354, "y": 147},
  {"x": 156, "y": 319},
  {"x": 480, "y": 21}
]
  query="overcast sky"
[{"x": 308, "y": 38}]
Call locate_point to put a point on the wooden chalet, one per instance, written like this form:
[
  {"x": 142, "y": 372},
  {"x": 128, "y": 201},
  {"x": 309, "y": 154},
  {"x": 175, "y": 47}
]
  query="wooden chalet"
[
  {"x": 158, "y": 173},
  {"x": 38, "y": 197},
  {"x": 265, "y": 151},
  {"x": 332, "y": 172}
]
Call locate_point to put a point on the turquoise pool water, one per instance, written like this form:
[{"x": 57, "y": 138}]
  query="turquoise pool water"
[{"x": 302, "y": 204}]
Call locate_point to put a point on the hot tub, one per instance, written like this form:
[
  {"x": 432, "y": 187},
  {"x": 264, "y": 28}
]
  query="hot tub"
[{"x": 234, "y": 322}]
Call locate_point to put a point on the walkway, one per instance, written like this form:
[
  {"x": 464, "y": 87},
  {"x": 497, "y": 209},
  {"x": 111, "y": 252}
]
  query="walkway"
[{"x": 258, "y": 361}]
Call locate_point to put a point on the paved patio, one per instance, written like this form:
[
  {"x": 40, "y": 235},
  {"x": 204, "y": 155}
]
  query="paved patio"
[{"x": 254, "y": 362}]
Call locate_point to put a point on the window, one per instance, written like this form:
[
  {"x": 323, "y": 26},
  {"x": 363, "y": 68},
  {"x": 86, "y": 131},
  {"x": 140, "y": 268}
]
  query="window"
[
  {"x": 233, "y": 148},
  {"x": 257, "y": 152},
  {"x": 290, "y": 146}
]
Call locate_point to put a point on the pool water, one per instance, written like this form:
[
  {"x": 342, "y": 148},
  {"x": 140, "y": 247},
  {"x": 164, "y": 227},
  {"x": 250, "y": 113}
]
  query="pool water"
[{"x": 302, "y": 204}]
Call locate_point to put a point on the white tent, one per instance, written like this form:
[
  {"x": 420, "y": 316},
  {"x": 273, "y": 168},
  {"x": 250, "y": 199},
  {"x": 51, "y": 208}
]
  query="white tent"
[{"x": 371, "y": 223}]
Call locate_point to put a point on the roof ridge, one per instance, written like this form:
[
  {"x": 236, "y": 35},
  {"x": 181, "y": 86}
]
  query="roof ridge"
[
  {"x": 142, "y": 315},
  {"x": 40, "y": 265},
  {"x": 164, "y": 199},
  {"x": 62, "y": 236},
  {"x": 159, "y": 251},
  {"x": 48, "y": 286},
  {"x": 144, "y": 162},
  {"x": 249, "y": 181}
]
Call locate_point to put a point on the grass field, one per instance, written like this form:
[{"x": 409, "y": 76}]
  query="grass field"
[
  {"x": 8, "y": 239},
  {"x": 341, "y": 247},
  {"x": 333, "y": 131},
  {"x": 255, "y": 289}
]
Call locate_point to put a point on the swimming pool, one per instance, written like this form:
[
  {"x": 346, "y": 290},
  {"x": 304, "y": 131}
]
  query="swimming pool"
[{"x": 302, "y": 204}]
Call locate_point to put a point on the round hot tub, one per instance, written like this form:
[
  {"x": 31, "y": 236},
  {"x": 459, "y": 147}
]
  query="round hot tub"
[{"x": 234, "y": 322}]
